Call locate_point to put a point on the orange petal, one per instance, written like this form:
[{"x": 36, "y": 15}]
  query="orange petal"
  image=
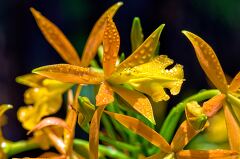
[
  {"x": 56, "y": 38},
  {"x": 144, "y": 52},
  {"x": 208, "y": 61},
  {"x": 70, "y": 73},
  {"x": 235, "y": 84},
  {"x": 96, "y": 36},
  {"x": 182, "y": 137},
  {"x": 138, "y": 101},
  {"x": 213, "y": 105},
  {"x": 111, "y": 42},
  {"x": 94, "y": 133},
  {"x": 105, "y": 95},
  {"x": 141, "y": 129},
  {"x": 50, "y": 121},
  {"x": 232, "y": 128},
  {"x": 210, "y": 154}
]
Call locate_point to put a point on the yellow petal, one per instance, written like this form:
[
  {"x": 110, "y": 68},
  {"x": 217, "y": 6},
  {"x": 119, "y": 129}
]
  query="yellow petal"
[
  {"x": 144, "y": 52},
  {"x": 208, "y": 61},
  {"x": 152, "y": 78},
  {"x": 235, "y": 84},
  {"x": 31, "y": 115},
  {"x": 213, "y": 105},
  {"x": 56, "y": 38},
  {"x": 105, "y": 95},
  {"x": 94, "y": 133},
  {"x": 210, "y": 154},
  {"x": 141, "y": 129},
  {"x": 138, "y": 101},
  {"x": 50, "y": 121},
  {"x": 184, "y": 134},
  {"x": 70, "y": 73},
  {"x": 111, "y": 42},
  {"x": 31, "y": 80},
  {"x": 96, "y": 36},
  {"x": 232, "y": 128}
]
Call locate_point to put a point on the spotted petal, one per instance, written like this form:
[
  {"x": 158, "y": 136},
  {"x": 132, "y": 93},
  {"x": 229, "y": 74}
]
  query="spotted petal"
[
  {"x": 235, "y": 84},
  {"x": 138, "y": 101},
  {"x": 232, "y": 128},
  {"x": 70, "y": 73},
  {"x": 56, "y": 38},
  {"x": 111, "y": 42},
  {"x": 141, "y": 129},
  {"x": 96, "y": 35},
  {"x": 144, "y": 52},
  {"x": 105, "y": 95},
  {"x": 210, "y": 154},
  {"x": 152, "y": 78},
  {"x": 208, "y": 61}
]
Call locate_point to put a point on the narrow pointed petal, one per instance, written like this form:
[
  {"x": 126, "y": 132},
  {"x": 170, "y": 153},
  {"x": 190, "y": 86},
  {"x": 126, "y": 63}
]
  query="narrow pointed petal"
[
  {"x": 144, "y": 52},
  {"x": 50, "y": 121},
  {"x": 183, "y": 136},
  {"x": 96, "y": 36},
  {"x": 235, "y": 84},
  {"x": 94, "y": 133},
  {"x": 4, "y": 108},
  {"x": 213, "y": 105},
  {"x": 31, "y": 80},
  {"x": 208, "y": 61},
  {"x": 136, "y": 34},
  {"x": 105, "y": 95},
  {"x": 56, "y": 38},
  {"x": 235, "y": 105},
  {"x": 111, "y": 43},
  {"x": 141, "y": 129},
  {"x": 210, "y": 154},
  {"x": 232, "y": 128},
  {"x": 70, "y": 73},
  {"x": 138, "y": 101}
]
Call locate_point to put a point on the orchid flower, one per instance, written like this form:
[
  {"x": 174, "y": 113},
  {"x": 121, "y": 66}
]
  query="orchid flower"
[
  {"x": 140, "y": 70},
  {"x": 44, "y": 97},
  {"x": 231, "y": 105},
  {"x": 61, "y": 44},
  {"x": 196, "y": 122}
]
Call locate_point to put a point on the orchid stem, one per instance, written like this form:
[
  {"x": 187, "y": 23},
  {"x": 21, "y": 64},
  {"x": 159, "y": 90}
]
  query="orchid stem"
[
  {"x": 19, "y": 147},
  {"x": 108, "y": 151}
]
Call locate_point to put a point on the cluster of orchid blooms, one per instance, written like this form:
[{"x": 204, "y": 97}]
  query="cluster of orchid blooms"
[{"x": 128, "y": 116}]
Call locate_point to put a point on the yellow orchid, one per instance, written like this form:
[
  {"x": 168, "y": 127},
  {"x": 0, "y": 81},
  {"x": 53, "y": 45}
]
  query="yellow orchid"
[
  {"x": 196, "y": 122},
  {"x": 140, "y": 66},
  {"x": 231, "y": 105},
  {"x": 61, "y": 44},
  {"x": 44, "y": 98}
]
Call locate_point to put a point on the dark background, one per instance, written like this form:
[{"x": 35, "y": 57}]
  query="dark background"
[{"x": 22, "y": 46}]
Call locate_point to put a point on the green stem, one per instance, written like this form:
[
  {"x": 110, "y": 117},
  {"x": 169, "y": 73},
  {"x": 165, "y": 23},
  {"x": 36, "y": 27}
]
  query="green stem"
[
  {"x": 19, "y": 147},
  {"x": 108, "y": 151},
  {"x": 120, "y": 145},
  {"x": 170, "y": 123},
  {"x": 108, "y": 127}
]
